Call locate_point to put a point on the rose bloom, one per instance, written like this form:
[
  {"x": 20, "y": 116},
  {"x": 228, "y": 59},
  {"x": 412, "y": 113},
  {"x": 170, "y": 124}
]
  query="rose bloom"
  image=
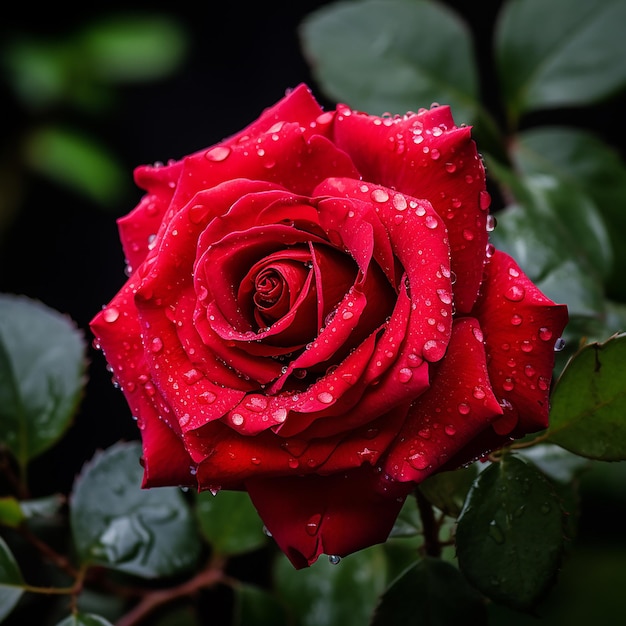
[{"x": 314, "y": 315}]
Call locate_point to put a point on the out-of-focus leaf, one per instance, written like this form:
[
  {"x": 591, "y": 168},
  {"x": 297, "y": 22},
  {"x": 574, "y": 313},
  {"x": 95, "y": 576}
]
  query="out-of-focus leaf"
[
  {"x": 134, "y": 47},
  {"x": 589, "y": 402},
  {"x": 550, "y": 224},
  {"x": 333, "y": 595},
  {"x": 11, "y": 581},
  {"x": 430, "y": 592},
  {"x": 256, "y": 606},
  {"x": 42, "y": 368},
  {"x": 584, "y": 162},
  {"x": 77, "y": 161},
  {"x": 510, "y": 534},
  {"x": 42, "y": 507},
  {"x": 559, "y": 53},
  {"x": 146, "y": 532},
  {"x": 84, "y": 619},
  {"x": 230, "y": 522},
  {"x": 10, "y": 512},
  {"x": 447, "y": 490},
  {"x": 392, "y": 56}
]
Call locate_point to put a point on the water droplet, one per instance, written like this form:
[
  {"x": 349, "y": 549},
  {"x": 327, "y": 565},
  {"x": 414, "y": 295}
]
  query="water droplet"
[
  {"x": 450, "y": 430},
  {"x": 312, "y": 525},
  {"x": 418, "y": 461},
  {"x": 266, "y": 532},
  {"x": 491, "y": 223},
  {"x": 463, "y": 408},
  {"x": 559, "y": 344},
  {"x": 508, "y": 384},
  {"x": 450, "y": 168},
  {"x": 206, "y": 397},
  {"x": 280, "y": 415},
  {"x": 444, "y": 296},
  {"x": 545, "y": 334},
  {"x": 405, "y": 375},
  {"x": 431, "y": 222},
  {"x": 346, "y": 315},
  {"x": 237, "y": 419},
  {"x": 468, "y": 235},
  {"x": 478, "y": 334},
  {"x": 219, "y": 153},
  {"x": 516, "y": 319},
  {"x": 529, "y": 370},
  {"x": 334, "y": 559},
  {"x": 515, "y": 293},
  {"x": 110, "y": 314},
  {"x": 379, "y": 195},
  {"x": 156, "y": 345},
  {"x": 478, "y": 393},
  {"x": 399, "y": 202},
  {"x": 192, "y": 376},
  {"x": 543, "y": 383},
  {"x": 198, "y": 213},
  {"x": 325, "y": 397}
]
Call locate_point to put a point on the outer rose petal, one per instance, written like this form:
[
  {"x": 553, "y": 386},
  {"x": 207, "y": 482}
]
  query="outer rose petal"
[
  {"x": 520, "y": 327},
  {"x": 425, "y": 155},
  {"x": 458, "y": 406},
  {"x": 337, "y": 514}
]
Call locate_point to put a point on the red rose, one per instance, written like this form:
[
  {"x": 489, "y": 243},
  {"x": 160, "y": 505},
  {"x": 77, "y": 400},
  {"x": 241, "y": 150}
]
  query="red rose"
[{"x": 314, "y": 316}]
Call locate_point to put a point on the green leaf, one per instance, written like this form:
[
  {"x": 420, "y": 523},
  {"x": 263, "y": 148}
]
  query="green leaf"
[
  {"x": 42, "y": 369},
  {"x": 583, "y": 162},
  {"x": 230, "y": 522},
  {"x": 392, "y": 55},
  {"x": 42, "y": 507},
  {"x": 77, "y": 161},
  {"x": 552, "y": 223},
  {"x": 447, "y": 490},
  {"x": 10, "y": 512},
  {"x": 10, "y": 580},
  {"x": 333, "y": 595},
  {"x": 559, "y": 53},
  {"x": 84, "y": 619},
  {"x": 133, "y": 48},
  {"x": 254, "y": 605},
  {"x": 146, "y": 532},
  {"x": 430, "y": 592},
  {"x": 510, "y": 534},
  {"x": 588, "y": 403}
]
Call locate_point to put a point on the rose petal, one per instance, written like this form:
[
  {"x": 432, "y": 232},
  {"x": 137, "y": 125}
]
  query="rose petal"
[
  {"x": 459, "y": 405},
  {"x": 336, "y": 515},
  {"x": 520, "y": 326},
  {"x": 425, "y": 155}
]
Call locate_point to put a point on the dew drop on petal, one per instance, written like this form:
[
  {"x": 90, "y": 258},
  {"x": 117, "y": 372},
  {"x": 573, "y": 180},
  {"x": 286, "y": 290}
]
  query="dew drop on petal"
[
  {"x": 237, "y": 419},
  {"x": 529, "y": 370},
  {"x": 485, "y": 200},
  {"x": 280, "y": 415},
  {"x": 450, "y": 430},
  {"x": 313, "y": 524},
  {"x": 545, "y": 334},
  {"x": 515, "y": 293},
  {"x": 418, "y": 461},
  {"x": 156, "y": 345},
  {"x": 111, "y": 314},
  {"x": 559, "y": 344},
  {"x": 478, "y": 393},
  {"x": 399, "y": 202},
  {"x": 379, "y": 195},
  {"x": 405, "y": 375},
  {"x": 325, "y": 397},
  {"x": 463, "y": 408},
  {"x": 516, "y": 319},
  {"x": 217, "y": 154},
  {"x": 431, "y": 222},
  {"x": 508, "y": 384}
]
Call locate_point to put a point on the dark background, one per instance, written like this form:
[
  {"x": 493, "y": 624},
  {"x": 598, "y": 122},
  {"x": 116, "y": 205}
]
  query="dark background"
[{"x": 64, "y": 250}]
